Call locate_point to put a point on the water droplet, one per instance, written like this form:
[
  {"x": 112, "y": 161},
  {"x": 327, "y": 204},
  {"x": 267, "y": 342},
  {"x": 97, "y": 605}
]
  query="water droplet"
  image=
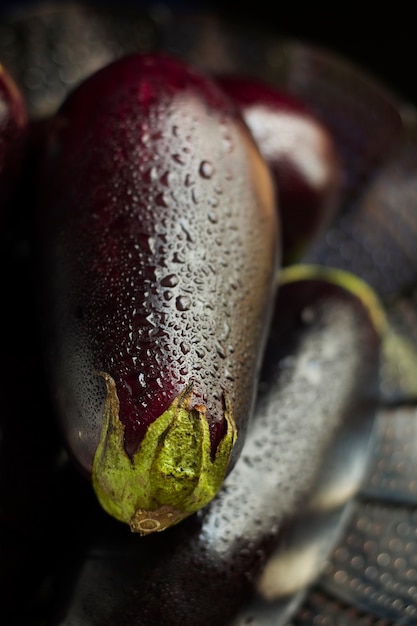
[
  {"x": 183, "y": 303},
  {"x": 194, "y": 196},
  {"x": 170, "y": 281},
  {"x": 166, "y": 179},
  {"x": 206, "y": 169},
  {"x": 152, "y": 244},
  {"x": 185, "y": 347},
  {"x": 212, "y": 217},
  {"x": 178, "y": 258},
  {"x": 178, "y": 159},
  {"x": 220, "y": 350},
  {"x": 228, "y": 375},
  {"x": 186, "y": 231},
  {"x": 168, "y": 295},
  {"x": 151, "y": 319},
  {"x": 226, "y": 331},
  {"x": 213, "y": 202},
  {"x": 160, "y": 200}
]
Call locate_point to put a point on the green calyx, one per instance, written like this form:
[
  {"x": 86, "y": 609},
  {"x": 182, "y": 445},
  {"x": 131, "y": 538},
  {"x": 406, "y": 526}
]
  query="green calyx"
[{"x": 172, "y": 474}]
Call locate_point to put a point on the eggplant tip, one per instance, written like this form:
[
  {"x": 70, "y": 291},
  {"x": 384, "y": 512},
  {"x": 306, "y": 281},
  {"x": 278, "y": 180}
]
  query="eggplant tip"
[{"x": 172, "y": 474}]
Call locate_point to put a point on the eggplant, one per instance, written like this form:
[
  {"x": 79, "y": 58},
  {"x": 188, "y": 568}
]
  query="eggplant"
[
  {"x": 301, "y": 154},
  {"x": 158, "y": 251},
  {"x": 302, "y": 463}
]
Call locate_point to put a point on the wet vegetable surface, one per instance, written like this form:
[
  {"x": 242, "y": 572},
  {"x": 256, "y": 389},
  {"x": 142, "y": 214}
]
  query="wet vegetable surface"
[
  {"x": 159, "y": 246},
  {"x": 369, "y": 576}
]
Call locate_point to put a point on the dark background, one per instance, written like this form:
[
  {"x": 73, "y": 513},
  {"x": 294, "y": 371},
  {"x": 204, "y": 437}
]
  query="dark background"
[
  {"x": 385, "y": 44},
  {"x": 381, "y": 41}
]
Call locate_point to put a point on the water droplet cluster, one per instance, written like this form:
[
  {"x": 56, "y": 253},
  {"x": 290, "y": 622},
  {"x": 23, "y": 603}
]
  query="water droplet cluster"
[{"x": 163, "y": 253}]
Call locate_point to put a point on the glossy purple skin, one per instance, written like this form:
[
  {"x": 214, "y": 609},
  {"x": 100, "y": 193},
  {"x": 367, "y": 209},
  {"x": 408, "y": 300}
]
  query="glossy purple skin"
[
  {"x": 302, "y": 156},
  {"x": 13, "y": 127},
  {"x": 159, "y": 245}
]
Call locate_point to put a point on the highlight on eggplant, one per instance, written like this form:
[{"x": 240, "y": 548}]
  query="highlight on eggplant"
[
  {"x": 159, "y": 243},
  {"x": 301, "y": 153}
]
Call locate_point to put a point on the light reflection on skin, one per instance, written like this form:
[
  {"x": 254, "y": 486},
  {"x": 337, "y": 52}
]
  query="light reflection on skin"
[{"x": 287, "y": 135}]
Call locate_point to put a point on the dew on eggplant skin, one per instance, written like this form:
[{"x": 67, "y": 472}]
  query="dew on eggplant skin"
[
  {"x": 194, "y": 196},
  {"x": 178, "y": 257},
  {"x": 186, "y": 230},
  {"x": 171, "y": 280},
  {"x": 183, "y": 303},
  {"x": 178, "y": 159},
  {"x": 161, "y": 200},
  {"x": 212, "y": 217},
  {"x": 228, "y": 375},
  {"x": 213, "y": 202},
  {"x": 145, "y": 138},
  {"x": 206, "y": 169},
  {"x": 151, "y": 175},
  {"x": 185, "y": 347},
  {"x": 168, "y": 295},
  {"x": 220, "y": 349}
]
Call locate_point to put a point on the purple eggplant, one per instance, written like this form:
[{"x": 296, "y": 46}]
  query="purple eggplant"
[
  {"x": 159, "y": 245},
  {"x": 302, "y": 156}
]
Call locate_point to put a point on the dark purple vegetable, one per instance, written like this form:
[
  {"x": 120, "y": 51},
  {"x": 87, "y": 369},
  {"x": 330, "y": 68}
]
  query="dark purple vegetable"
[
  {"x": 159, "y": 245},
  {"x": 303, "y": 460},
  {"x": 301, "y": 154},
  {"x": 362, "y": 115}
]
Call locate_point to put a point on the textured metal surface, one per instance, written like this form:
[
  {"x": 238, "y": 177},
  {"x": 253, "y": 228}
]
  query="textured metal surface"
[
  {"x": 375, "y": 569},
  {"x": 322, "y": 609},
  {"x": 392, "y": 474},
  {"x": 371, "y": 576}
]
